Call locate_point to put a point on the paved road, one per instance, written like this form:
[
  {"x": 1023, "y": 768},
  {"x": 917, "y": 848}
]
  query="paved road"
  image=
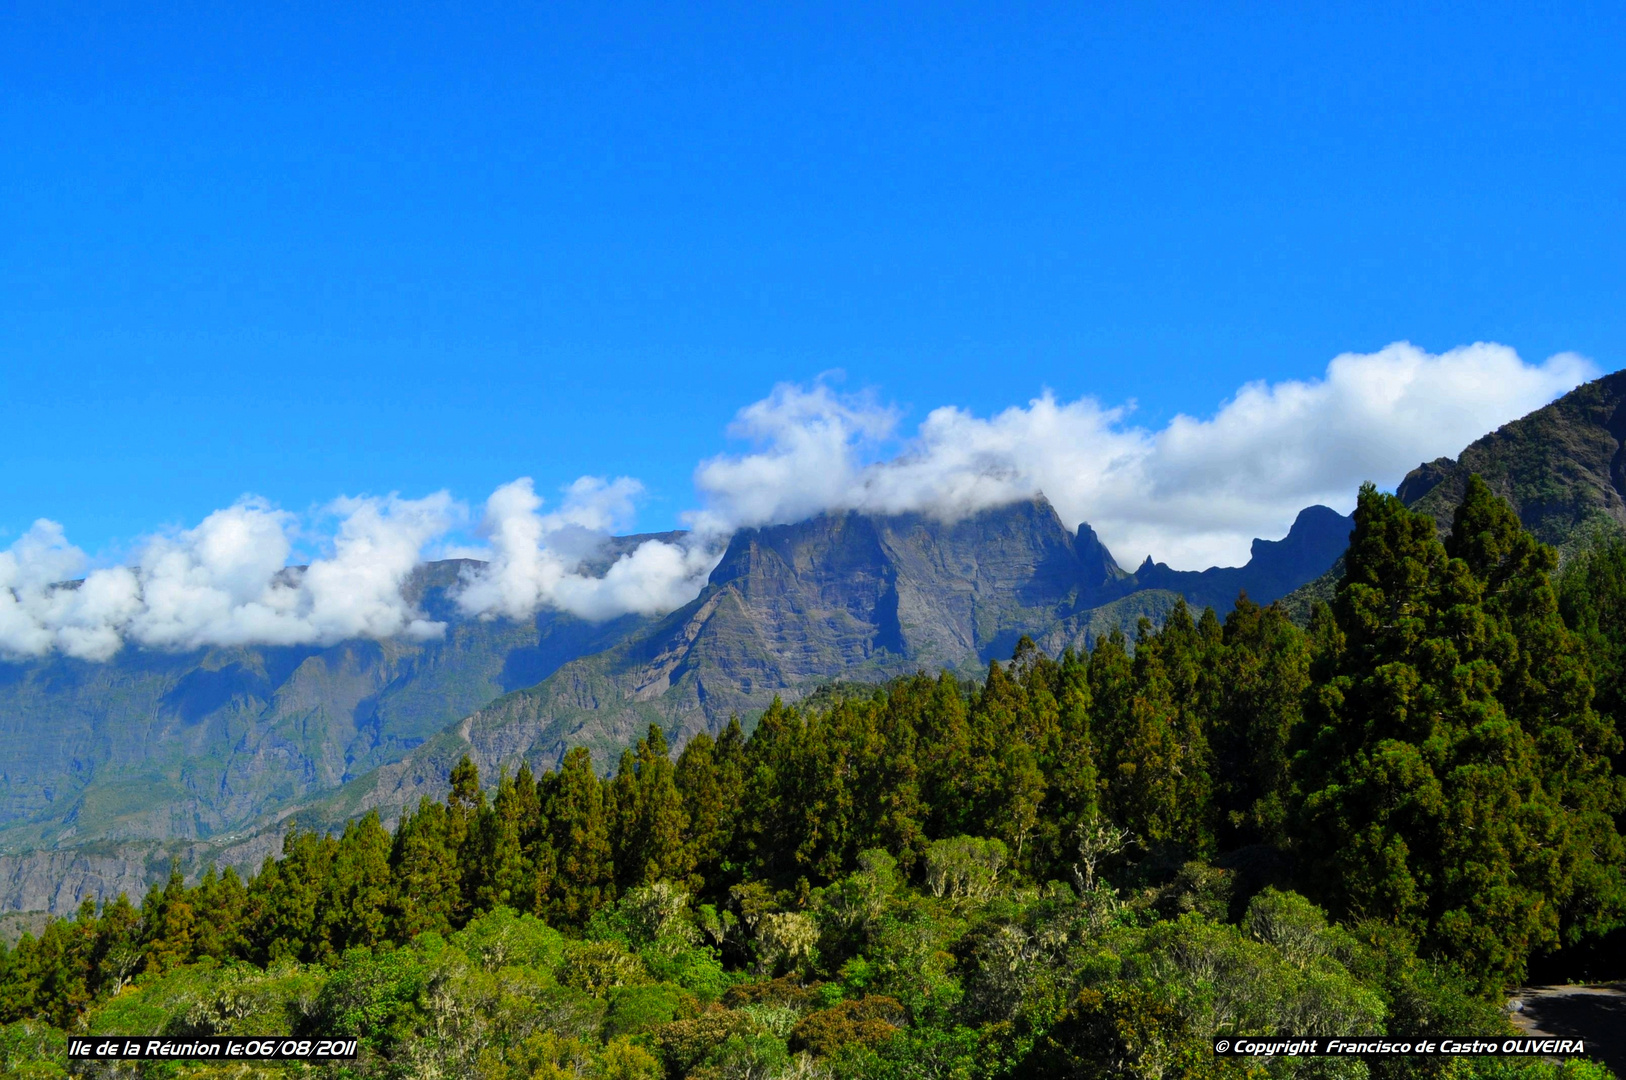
[{"x": 1594, "y": 1013}]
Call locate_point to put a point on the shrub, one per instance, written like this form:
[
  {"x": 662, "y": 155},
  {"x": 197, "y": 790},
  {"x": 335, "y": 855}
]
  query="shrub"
[
  {"x": 869, "y": 1021},
  {"x": 965, "y": 866}
]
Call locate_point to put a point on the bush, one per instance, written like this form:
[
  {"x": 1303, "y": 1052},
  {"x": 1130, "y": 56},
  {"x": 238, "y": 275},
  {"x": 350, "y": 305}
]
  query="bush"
[
  {"x": 30, "y": 1050},
  {"x": 637, "y": 1009},
  {"x": 966, "y": 866},
  {"x": 785, "y": 991},
  {"x": 686, "y": 1043},
  {"x": 869, "y": 1021},
  {"x": 502, "y": 938}
]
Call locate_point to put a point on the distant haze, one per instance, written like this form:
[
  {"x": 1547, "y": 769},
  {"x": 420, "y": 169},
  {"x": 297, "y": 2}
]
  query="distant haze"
[{"x": 1192, "y": 493}]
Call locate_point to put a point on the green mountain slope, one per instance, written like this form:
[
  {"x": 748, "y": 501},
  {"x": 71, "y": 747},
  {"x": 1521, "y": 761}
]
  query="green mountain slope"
[{"x": 1563, "y": 467}]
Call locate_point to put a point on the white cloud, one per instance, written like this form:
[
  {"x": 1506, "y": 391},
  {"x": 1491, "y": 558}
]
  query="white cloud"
[
  {"x": 1192, "y": 493},
  {"x": 224, "y": 582},
  {"x": 536, "y": 559},
  {"x": 36, "y": 615}
]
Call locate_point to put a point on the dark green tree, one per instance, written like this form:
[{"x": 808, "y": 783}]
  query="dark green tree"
[
  {"x": 426, "y": 883},
  {"x": 1421, "y": 800},
  {"x": 585, "y": 877},
  {"x": 1262, "y": 675}
]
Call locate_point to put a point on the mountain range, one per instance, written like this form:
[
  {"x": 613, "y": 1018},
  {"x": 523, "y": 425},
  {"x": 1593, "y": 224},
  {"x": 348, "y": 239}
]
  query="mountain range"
[
  {"x": 205, "y": 755},
  {"x": 109, "y": 770}
]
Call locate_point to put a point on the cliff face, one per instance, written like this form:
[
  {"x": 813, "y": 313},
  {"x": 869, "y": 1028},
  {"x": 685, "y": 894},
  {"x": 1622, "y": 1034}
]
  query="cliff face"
[
  {"x": 1276, "y": 567},
  {"x": 1562, "y": 467}
]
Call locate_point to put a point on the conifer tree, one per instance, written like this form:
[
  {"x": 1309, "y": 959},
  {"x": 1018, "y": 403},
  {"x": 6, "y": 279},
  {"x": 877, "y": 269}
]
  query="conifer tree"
[
  {"x": 1030, "y": 743},
  {"x": 944, "y": 744},
  {"x": 581, "y": 838},
  {"x": 984, "y": 798},
  {"x": 1592, "y": 600},
  {"x": 221, "y": 899},
  {"x": 1421, "y": 800},
  {"x": 171, "y": 924},
  {"x": 764, "y": 842},
  {"x": 427, "y": 888},
  {"x": 1546, "y": 687},
  {"x": 500, "y": 871},
  {"x": 357, "y": 898},
  {"x": 697, "y": 783},
  {"x": 464, "y": 805},
  {"x": 117, "y": 956},
  {"x": 1074, "y": 798},
  {"x": 900, "y": 815},
  {"x": 1262, "y": 676},
  {"x": 1153, "y": 753},
  {"x": 286, "y": 899},
  {"x": 653, "y": 821}
]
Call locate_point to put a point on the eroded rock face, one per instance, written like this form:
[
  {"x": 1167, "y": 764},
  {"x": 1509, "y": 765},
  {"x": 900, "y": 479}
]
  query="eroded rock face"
[{"x": 1276, "y": 567}]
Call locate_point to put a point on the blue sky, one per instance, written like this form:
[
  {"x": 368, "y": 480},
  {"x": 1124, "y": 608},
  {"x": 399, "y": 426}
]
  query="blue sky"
[{"x": 309, "y": 250}]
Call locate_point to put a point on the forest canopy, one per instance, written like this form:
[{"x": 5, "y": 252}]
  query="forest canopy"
[{"x": 1085, "y": 865}]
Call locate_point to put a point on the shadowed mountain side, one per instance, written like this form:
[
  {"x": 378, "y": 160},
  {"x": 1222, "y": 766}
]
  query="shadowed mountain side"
[
  {"x": 1275, "y": 567},
  {"x": 1562, "y": 467}
]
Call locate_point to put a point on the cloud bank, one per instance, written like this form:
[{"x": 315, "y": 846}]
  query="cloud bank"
[
  {"x": 1193, "y": 493},
  {"x": 536, "y": 558},
  {"x": 225, "y": 582}
]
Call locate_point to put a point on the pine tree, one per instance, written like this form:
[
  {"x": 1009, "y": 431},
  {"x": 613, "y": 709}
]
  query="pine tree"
[
  {"x": 464, "y": 805},
  {"x": 1421, "y": 800},
  {"x": 581, "y": 838},
  {"x": 171, "y": 924},
  {"x": 1074, "y": 786},
  {"x": 426, "y": 885},
  {"x": 697, "y": 783},
  {"x": 62, "y": 967},
  {"x": 900, "y": 813},
  {"x": 221, "y": 900},
  {"x": 1262, "y": 675},
  {"x": 286, "y": 897},
  {"x": 500, "y": 870},
  {"x": 357, "y": 898},
  {"x": 117, "y": 957},
  {"x": 1154, "y": 756},
  {"x": 1546, "y": 687},
  {"x": 765, "y": 842},
  {"x": 943, "y": 745},
  {"x": 1592, "y": 600}
]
